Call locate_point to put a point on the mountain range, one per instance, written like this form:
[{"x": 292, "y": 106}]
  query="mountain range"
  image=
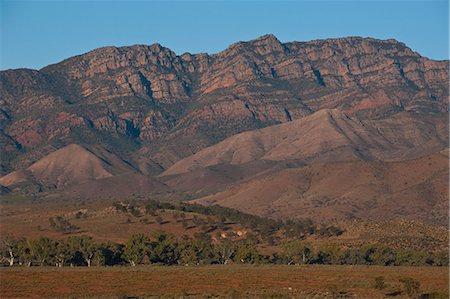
[{"x": 334, "y": 129}]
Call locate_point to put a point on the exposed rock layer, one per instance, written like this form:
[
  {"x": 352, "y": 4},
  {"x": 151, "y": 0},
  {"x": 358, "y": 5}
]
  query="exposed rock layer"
[{"x": 183, "y": 103}]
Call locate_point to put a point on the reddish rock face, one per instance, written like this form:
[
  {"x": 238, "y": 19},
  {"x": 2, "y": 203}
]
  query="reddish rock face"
[{"x": 175, "y": 105}]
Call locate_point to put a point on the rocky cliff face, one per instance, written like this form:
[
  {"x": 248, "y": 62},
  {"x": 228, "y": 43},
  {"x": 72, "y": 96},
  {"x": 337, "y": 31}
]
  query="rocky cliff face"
[{"x": 168, "y": 106}]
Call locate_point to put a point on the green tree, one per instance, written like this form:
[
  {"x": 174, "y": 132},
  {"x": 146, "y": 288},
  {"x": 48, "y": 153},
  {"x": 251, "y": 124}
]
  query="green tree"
[
  {"x": 367, "y": 254},
  {"x": 164, "y": 249},
  {"x": 329, "y": 254},
  {"x": 113, "y": 253},
  {"x": 409, "y": 258},
  {"x": 136, "y": 249},
  {"x": 43, "y": 250},
  {"x": 64, "y": 253},
  {"x": 10, "y": 250},
  {"x": 99, "y": 258},
  {"x": 297, "y": 252},
  {"x": 225, "y": 251},
  {"x": 440, "y": 258},
  {"x": 197, "y": 252},
  {"x": 350, "y": 257},
  {"x": 84, "y": 246},
  {"x": 25, "y": 256},
  {"x": 383, "y": 256},
  {"x": 247, "y": 253}
]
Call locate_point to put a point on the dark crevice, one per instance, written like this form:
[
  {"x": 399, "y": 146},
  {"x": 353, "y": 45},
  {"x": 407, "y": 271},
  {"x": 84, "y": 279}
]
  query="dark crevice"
[
  {"x": 253, "y": 113},
  {"x": 403, "y": 76},
  {"x": 147, "y": 85},
  {"x": 131, "y": 130},
  {"x": 273, "y": 72},
  {"x": 319, "y": 77},
  {"x": 288, "y": 114}
]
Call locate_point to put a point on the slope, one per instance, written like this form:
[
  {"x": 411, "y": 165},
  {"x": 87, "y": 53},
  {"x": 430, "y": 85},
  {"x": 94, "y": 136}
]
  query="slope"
[
  {"x": 327, "y": 135},
  {"x": 70, "y": 165},
  {"x": 415, "y": 189}
]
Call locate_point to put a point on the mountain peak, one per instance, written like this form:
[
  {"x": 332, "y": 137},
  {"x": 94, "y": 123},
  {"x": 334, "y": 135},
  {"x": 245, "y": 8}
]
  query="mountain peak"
[
  {"x": 268, "y": 38},
  {"x": 157, "y": 47},
  {"x": 266, "y": 44}
]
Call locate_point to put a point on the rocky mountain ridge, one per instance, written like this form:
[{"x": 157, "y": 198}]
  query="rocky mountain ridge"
[{"x": 154, "y": 107}]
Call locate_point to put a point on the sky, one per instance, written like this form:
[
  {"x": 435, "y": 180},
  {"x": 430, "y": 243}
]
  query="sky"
[{"x": 37, "y": 33}]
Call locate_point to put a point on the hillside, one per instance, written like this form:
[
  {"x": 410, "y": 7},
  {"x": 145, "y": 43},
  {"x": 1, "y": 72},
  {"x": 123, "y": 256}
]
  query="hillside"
[
  {"x": 69, "y": 166},
  {"x": 327, "y": 135},
  {"x": 415, "y": 189}
]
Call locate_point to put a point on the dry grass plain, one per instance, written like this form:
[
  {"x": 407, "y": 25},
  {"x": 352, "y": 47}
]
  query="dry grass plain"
[{"x": 225, "y": 281}]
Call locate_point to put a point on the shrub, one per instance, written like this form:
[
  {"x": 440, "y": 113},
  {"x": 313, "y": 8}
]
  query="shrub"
[
  {"x": 60, "y": 224},
  {"x": 411, "y": 286},
  {"x": 80, "y": 215},
  {"x": 379, "y": 283},
  {"x": 159, "y": 220},
  {"x": 135, "y": 212}
]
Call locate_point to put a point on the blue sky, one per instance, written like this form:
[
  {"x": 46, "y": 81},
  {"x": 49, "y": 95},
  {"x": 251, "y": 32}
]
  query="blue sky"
[{"x": 38, "y": 33}]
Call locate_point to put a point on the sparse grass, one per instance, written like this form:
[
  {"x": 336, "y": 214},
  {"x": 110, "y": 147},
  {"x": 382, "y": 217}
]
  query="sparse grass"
[{"x": 229, "y": 281}]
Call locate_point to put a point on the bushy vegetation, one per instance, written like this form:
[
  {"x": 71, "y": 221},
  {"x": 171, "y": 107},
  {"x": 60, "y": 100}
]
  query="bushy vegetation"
[
  {"x": 379, "y": 283},
  {"x": 264, "y": 227},
  {"x": 165, "y": 249},
  {"x": 60, "y": 224},
  {"x": 411, "y": 286}
]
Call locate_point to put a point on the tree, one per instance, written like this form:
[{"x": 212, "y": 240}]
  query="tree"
[
  {"x": 367, "y": 254},
  {"x": 164, "y": 249},
  {"x": 440, "y": 258},
  {"x": 298, "y": 252},
  {"x": 409, "y": 258},
  {"x": 135, "y": 212},
  {"x": 64, "y": 253},
  {"x": 225, "y": 251},
  {"x": 113, "y": 253},
  {"x": 60, "y": 224},
  {"x": 247, "y": 254},
  {"x": 99, "y": 258},
  {"x": 350, "y": 257},
  {"x": 85, "y": 247},
  {"x": 135, "y": 249},
  {"x": 25, "y": 256},
  {"x": 43, "y": 250},
  {"x": 329, "y": 254},
  {"x": 383, "y": 256},
  {"x": 197, "y": 252},
  {"x": 10, "y": 250}
]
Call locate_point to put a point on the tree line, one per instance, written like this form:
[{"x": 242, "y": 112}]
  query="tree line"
[{"x": 165, "y": 249}]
